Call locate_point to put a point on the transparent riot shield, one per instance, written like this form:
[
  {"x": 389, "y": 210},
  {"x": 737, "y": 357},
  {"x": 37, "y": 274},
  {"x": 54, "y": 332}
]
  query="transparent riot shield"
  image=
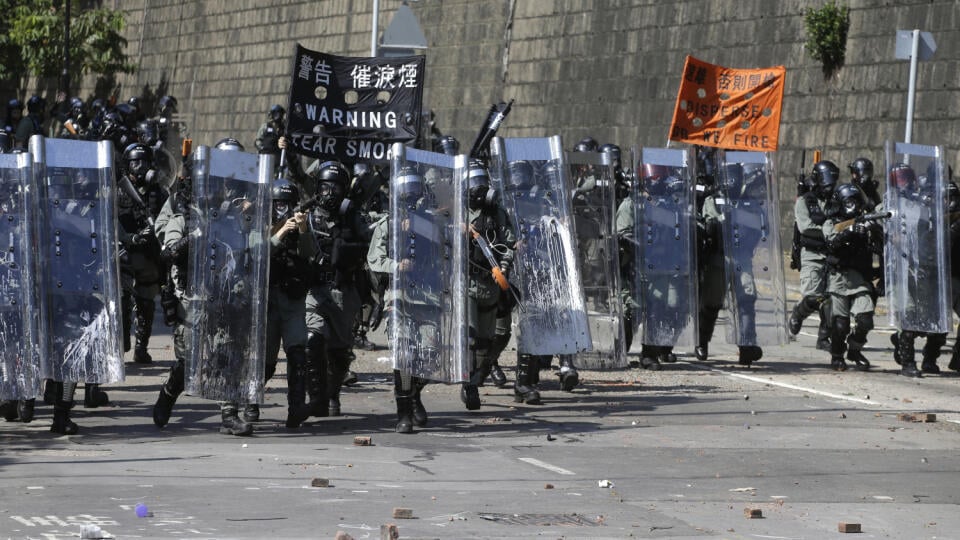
[
  {"x": 531, "y": 176},
  {"x": 665, "y": 281},
  {"x": 428, "y": 317},
  {"x": 227, "y": 275},
  {"x": 79, "y": 261},
  {"x": 590, "y": 180},
  {"x": 916, "y": 250},
  {"x": 753, "y": 259},
  {"x": 20, "y": 369}
]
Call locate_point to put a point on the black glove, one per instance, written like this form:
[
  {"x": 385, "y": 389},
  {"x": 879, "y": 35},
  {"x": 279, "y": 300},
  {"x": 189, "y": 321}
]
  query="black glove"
[{"x": 143, "y": 236}]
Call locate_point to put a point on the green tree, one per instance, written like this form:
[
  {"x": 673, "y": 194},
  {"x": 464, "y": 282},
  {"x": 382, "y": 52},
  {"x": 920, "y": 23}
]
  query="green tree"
[
  {"x": 827, "y": 35},
  {"x": 34, "y": 34}
]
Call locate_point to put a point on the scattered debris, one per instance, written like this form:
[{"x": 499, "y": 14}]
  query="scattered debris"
[
  {"x": 551, "y": 437},
  {"x": 342, "y": 536},
  {"x": 743, "y": 489},
  {"x": 548, "y": 486},
  {"x": 362, "y": 441},
  {"x": 320, "y": 483},
  {"x": 746, "y": 397},
  {"x": 753, "y": 513},
  {"x": 402, "y": 513},
  {"x": 849, "y": 527},
  {"x": 842, "y": 415},
  {"x": 142, "y": 511},
  {"x": 917, "y": 417},
  {"x": 389, "y": 532},
  {"x": 93, "y": 532},
  {"x": 494, "y": 420},
  {"x": 605, "y": 484}
]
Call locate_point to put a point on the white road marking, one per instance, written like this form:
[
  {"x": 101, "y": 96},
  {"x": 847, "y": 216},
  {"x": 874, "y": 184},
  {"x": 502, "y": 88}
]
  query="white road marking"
[
  {"x": 794, "y": 387},
  {"x": 545, "y": 465}
]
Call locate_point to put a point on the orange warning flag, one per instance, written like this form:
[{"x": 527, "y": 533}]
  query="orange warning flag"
[{"x": 728, "y": 108}]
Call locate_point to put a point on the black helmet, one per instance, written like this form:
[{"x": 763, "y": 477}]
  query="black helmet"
[
  {"x": 333, "y": 171},
  {"x": 148, "y": 132},
  {"x": 128, "y": 113},
  {"x": 136, "y": 109},
  {"x": 849, "y": 200},
  {"x": 825, "y": 177},
  {"x": 409, "y": 184},
  {"x": 331, "y": 196},
  {"x": 519, "y": 175},
  {"x": 167, "y": 105},
  {"x": 76, "y": 106},
  {"x": 449, "y": 145},
  {"x": 614, "y": 151},
  {"x": 97, "y": 105},
  {"x": 14, "y": 105},
  {"x": 138, "y": 158},
  {"x": 285, "y": 195},
  {"x": 479, "y": 193},
  {"x": 6, "y": 142},
  {"x": 276, "y": 113},
  {"x": 586, "y": 144},
  {"x": 229, "y": 143},
  {"x": 654, "y": 178},
  {"x": 861, "y": 169},
  {"x": 36, "y": 104}
]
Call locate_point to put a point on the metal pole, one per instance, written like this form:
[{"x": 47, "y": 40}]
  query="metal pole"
[
  {"x": 914, "y": 51},
  {"x": 373, "y": 30}
]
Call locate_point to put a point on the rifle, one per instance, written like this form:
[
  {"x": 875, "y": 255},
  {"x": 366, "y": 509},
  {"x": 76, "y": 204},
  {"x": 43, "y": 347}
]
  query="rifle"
[
  {"x": 866, "y": 218},
  {"x": 498, "y": 275},
  {"x": 481, "y": 146}
]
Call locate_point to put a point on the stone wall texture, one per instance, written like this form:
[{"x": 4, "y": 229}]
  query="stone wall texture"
[{"x": 605, "y": 68}]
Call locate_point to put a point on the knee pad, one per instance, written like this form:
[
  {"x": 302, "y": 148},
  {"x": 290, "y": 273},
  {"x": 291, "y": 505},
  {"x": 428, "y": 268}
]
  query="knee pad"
[
  {"x": 841, "y": 325},
  {"x": 315, "y": 340},
  {"x": 864, "y": 323}
]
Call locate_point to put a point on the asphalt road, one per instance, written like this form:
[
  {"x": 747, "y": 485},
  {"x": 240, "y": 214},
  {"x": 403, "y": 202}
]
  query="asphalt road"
[{"x": 679, "y": 453}]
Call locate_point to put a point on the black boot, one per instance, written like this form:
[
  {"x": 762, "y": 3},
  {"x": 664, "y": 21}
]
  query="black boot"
[
  {"x": 569, "y": 377},
  {"x": 748, "y": 354},
  {"x": 470, "y": 396},
  {"x": 61, "y": 410},
  {"x": 8, "y": 410},
  {"x": 525, "y": 390},
  {"x": 93, "y": 396},
  {"x": 837, "y": 363},
  {"x": 497, "y": 376},
  {"x": 708, "y": 321},
  {"x": 338, "y": 363},
  {"x": 49, "y": 392},
  {"x": 907, "y": 353},
  {"x": 804, "y": 308},
  {"x": 61, "y": 419},
  {"x": 931, "y": 351},
  {"x": 169, "y": 391},
  {"x": 419, "y": 411},
  {"x": 317, "y": 376},
  {"x": 349, "y": 378},
  {"x": 858, "y": 339},
  {"x": 145, "y": 313},
  {"x": 895, "y": 341},
  {"x": 126, "y": 316},
  {"x": 649, "y": 357},
  {"x": 25, "y": 410},
  {"x": 251, "y": 413},
  {"x": 231, "y": 424},
  {"x": 955, "y": 354},
  {"x": 403, "y": 392},
  {"x": 297, "y": 409}
]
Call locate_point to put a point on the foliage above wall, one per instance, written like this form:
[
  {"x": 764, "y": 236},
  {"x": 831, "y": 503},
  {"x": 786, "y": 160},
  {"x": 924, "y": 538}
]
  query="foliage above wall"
[{"x": 827, "y": 35}]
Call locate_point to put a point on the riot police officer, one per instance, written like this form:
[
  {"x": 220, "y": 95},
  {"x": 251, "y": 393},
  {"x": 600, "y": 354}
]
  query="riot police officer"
[
  {"x": 141, "y": 269},
  {"x": 175, "y": 227},
  {"x": 291, "y": 249},
  {"x": 268, "y": 136},
  {"x": 488, "y": 219},
  {"x": 810, "y": 216},
  {"x": 333, "y": 301},
  {"x": 32, "y": 124},
  {"x": 851, "y": 248},
  {"x": 861, "y": 175}
]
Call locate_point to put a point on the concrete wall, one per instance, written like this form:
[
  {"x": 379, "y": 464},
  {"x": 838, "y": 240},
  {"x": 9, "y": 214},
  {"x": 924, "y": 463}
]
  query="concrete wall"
[{"x": 606, "y": 68}]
